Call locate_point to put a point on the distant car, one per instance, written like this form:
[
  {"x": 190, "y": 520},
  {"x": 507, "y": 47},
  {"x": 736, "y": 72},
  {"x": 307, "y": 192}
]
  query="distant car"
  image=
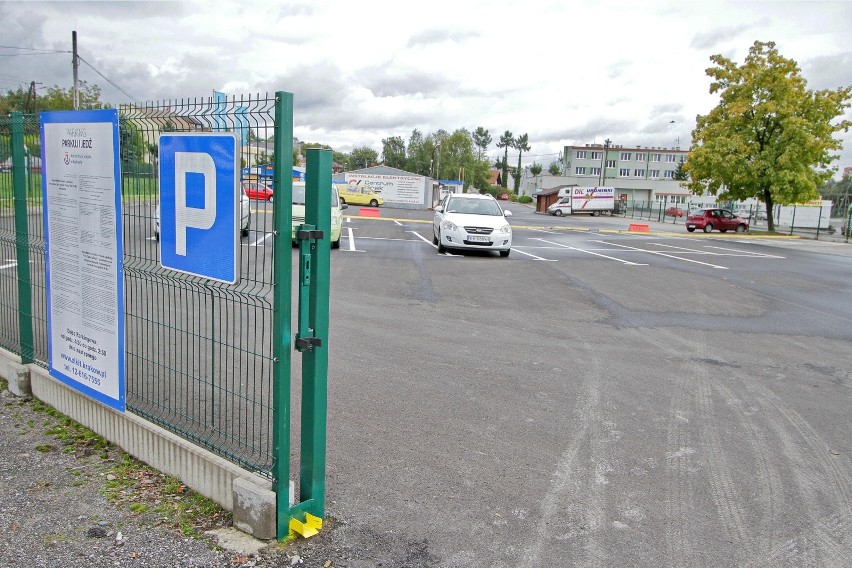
[
  {"x": 674, "y": 212},
  {"x": 337, "y": 207},
  {"x": 257, "y": 190},
  {"x": 721, "y": 219},
  {"x": 355, "y": 194},
  {"x": 245, "y": 217},
  {"x": 504, "y": 197},
  {"x": 471, "y": 221}
]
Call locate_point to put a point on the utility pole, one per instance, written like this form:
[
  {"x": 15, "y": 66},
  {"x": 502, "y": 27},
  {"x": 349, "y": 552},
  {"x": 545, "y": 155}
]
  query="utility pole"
[
  {"x": 76, "y": 65},
  {"x": 30, "y": 106},
  {"x": 603, "y": 162}
]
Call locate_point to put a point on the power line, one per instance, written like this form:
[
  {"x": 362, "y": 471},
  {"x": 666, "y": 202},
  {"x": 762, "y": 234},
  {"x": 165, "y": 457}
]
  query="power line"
[
  {"x": 39, "y": 51},
  {"x": 105, "y": 78}
]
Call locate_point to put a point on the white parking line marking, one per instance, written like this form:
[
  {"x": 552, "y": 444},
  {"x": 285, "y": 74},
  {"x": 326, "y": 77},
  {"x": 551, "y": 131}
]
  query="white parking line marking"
[
  {"x": 260, "y": 240},
  {"x": 746, "y": 253},
  {"x": 627, "y": 262},
  {"x": 664, "y": 254},
  {"x": 684, "y": 250},
  {"x": 397, "y": 222},
  {"x": 422, "y": 238},
  {"x": 516, "y": 249},
  {"x": 351, "y": 238}
]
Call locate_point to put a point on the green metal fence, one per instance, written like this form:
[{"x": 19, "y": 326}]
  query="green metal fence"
[
  {"x": 22, "y": 284},
  {"x": 208, "y": 361},
  {"x": 198, "y": 353}
]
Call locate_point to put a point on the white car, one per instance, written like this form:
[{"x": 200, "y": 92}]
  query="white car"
[
  {"x": 245, "y": 217},
  {"x": 337, "y": 207},
  {"x": 471, "y": 221}
]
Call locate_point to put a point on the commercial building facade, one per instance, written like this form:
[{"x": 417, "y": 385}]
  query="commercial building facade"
[{"x": 639, "y": 174}]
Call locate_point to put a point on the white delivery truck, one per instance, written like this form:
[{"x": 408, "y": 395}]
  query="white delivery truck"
[{"x": 593, "y": 200}]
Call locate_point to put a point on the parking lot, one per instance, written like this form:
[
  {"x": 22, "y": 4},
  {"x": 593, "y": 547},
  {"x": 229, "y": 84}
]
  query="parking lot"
[{"x": 598, "y": 398}]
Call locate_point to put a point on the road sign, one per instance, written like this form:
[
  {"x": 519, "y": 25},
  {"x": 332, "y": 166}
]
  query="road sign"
[{"x": 200, "y": 204}]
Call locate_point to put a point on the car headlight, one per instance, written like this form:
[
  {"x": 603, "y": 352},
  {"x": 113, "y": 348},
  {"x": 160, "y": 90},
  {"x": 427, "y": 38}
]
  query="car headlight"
[
  {"x": 449, "y": 225},
  {"x": 505, "y": 229}
]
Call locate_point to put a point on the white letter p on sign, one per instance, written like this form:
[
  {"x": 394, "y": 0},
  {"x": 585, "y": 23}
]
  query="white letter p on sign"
[{"x": 197, "y": 218}]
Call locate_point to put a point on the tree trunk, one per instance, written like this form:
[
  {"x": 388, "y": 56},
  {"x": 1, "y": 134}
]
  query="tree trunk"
[
  {"x": 767, "y": 199},
  {"x": 518, "y": 175}
]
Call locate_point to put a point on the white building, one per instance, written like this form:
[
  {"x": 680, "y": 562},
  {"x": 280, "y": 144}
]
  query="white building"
[{"x": 639, "y": 174}]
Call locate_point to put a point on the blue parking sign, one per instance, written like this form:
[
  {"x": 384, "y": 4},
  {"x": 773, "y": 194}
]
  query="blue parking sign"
[{"x": 200, "y": 204}]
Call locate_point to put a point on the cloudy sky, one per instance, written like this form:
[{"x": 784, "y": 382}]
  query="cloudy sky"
[{"x": 564, "y": 72}]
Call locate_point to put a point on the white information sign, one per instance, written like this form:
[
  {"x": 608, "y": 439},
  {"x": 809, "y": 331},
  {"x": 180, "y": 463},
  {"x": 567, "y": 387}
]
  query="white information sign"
[
  {"x": 393, "y": 188},
  {"x": 81, "y": 184}
]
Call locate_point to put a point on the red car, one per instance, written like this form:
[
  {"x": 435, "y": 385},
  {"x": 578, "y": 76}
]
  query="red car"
[
  {"x": 257, "y": 190},
  {"x": 674, "y": 212},
  {"x": 709, "y": 219}
]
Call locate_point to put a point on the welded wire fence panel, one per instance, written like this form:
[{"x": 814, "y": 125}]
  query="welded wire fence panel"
[
  {"x": 30, "y": 242},
  {"x": 199, "y": 352},
  {"x": 9, "y": 337}
]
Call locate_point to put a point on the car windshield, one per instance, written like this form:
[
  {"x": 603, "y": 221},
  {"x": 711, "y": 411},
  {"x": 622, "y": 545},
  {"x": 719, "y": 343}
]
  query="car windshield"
[
  {"x": 474, "y": 206},
  {"x": 299, "y": 194}
]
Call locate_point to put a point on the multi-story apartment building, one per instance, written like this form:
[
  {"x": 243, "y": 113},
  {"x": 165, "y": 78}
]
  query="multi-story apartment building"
[{"x": 640, "y": 173}]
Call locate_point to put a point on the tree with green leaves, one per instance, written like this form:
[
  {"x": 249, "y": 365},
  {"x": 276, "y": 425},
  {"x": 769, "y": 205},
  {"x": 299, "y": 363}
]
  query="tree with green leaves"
[
  {"x": 418, "y": 153},
  {"x": 506, "y": 141},
  {"x": 481, "y": 139},
  {"x": 770, "y": 137},
  {"x": 521, "y": 144},
  {"x": 393, "y": 152},
  {"x": 536, "y": 170},
  {"x": 679, "y": 173},
  {"x": 363, "y": 157},
  {"x": 554, "y": 169},
  {"x": 56, "y": 98}
]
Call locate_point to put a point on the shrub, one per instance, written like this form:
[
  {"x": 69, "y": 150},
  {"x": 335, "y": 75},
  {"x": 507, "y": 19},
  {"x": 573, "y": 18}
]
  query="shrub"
[{"x": 525, "y": 199}]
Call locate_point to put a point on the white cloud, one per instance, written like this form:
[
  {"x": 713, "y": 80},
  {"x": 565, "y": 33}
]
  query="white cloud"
[{"x": 563, "y": 72}]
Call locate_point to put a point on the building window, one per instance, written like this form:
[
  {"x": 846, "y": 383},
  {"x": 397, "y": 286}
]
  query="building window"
[
  {"x": 670, "y": 158},
  {"x": 640, "y": 157},
  {"x": 595, "y": 171},
  {"x": 625, "y": 156},
  {"x": 581, "y": 154},
  {"x": 639, "y": 173},
  {"x": 653, "y": 173},
  {"x": 656, "y": 157},
  {"x": 610, "y": 163},
  {"x": 597, "y": 155},
  {"x": 668, "y": 174},
  {"x": 624, "y": 172},
  {"x": 580, "y": 171}
]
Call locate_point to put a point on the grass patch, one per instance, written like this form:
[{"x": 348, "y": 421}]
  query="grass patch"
[
  {"x": 162, "y": 498},
  {"x": 128, "y": 483}
]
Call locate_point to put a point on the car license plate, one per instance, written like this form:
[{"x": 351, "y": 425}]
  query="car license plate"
[{"x": 478, "y": 238}]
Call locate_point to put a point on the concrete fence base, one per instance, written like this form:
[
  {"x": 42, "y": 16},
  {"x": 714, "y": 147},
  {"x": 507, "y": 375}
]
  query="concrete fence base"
[{"x": 248, "y": 496}]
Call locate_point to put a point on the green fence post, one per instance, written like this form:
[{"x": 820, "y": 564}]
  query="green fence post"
[
  {"x": 19, "y": 183},
  {"x": 315, "y": 360},
  {"x": 282, "y": 220}
]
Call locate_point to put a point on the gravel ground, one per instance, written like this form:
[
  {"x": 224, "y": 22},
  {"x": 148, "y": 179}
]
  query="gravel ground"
[{"x": 54, "y": 513}]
